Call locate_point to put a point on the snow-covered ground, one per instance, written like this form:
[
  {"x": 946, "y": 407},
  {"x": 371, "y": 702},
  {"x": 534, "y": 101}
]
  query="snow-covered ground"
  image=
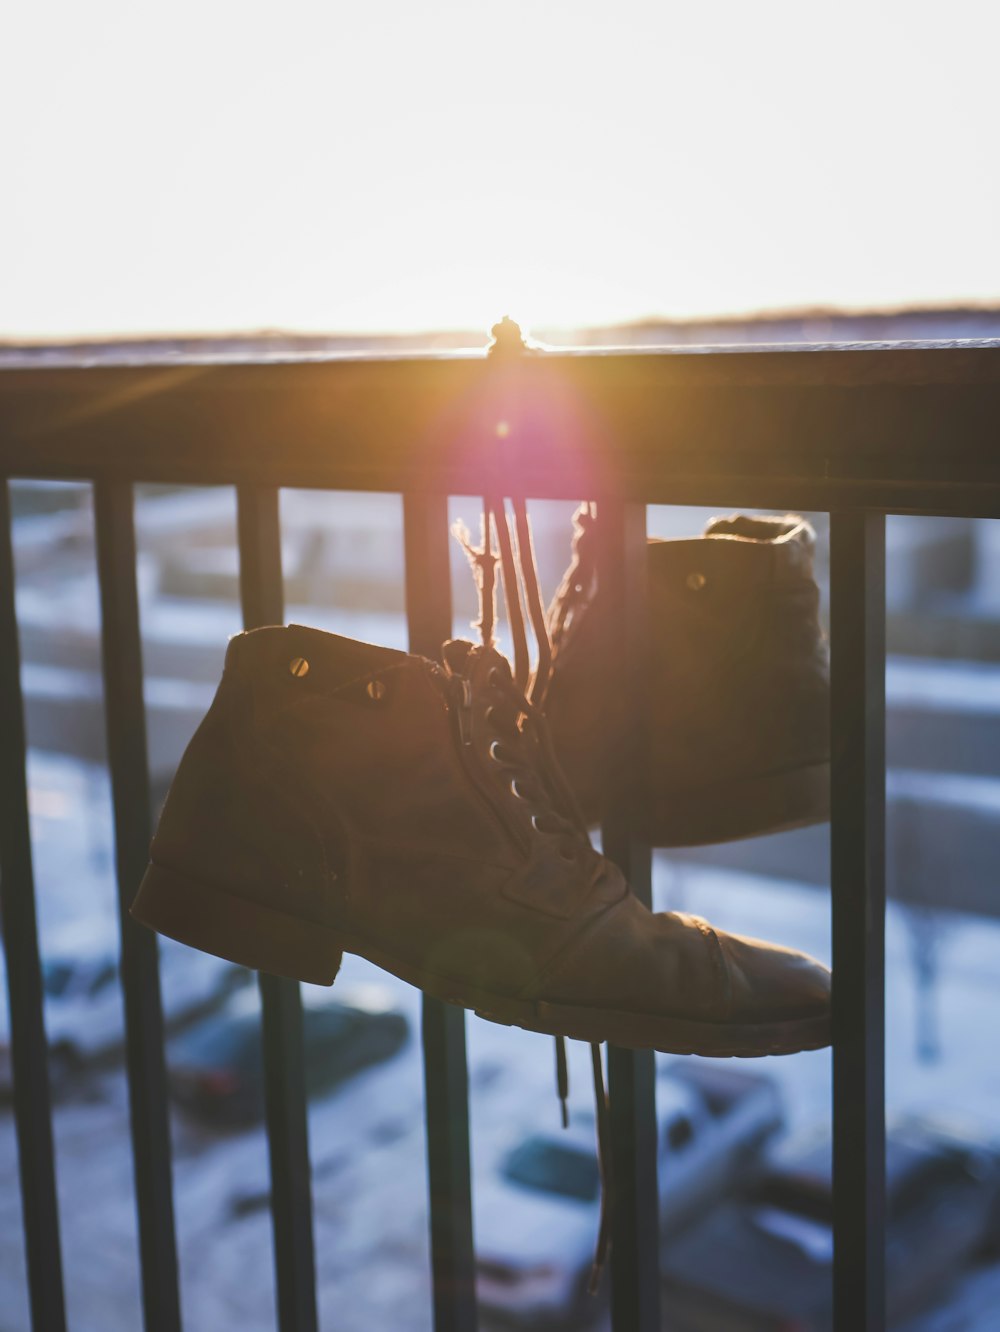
[{"x": 367, "y": 1137}]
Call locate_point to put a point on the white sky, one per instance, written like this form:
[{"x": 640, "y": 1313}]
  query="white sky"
[{"x": 390, "y": 165}]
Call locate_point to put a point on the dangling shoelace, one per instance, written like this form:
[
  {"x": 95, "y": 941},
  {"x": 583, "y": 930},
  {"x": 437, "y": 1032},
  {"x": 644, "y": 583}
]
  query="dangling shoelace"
[
  {"x": 519, "y": 572},
  {"x": 577, "y": 586},
  {"x": 604, "y": 1165}
]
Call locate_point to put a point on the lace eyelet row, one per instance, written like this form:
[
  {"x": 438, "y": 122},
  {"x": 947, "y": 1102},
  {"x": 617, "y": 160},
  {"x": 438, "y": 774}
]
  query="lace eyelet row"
[{"x": 494, "y": 679}]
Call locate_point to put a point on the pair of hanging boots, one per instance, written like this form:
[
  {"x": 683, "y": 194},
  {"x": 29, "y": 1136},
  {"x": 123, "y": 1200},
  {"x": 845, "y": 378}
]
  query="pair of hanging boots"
[{"x": 340, "y": 796}]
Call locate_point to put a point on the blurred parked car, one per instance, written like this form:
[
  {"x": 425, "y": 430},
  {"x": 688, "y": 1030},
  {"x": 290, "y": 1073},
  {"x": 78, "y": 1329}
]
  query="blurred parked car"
[
  {"x": 216, "y": 1069},
  {"x": 83, "y": 1006},
  {"x": 763, "y": 1263},
  {"x": 537, "y": 1216}
]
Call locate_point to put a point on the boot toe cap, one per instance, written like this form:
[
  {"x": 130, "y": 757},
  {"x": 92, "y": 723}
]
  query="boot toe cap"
[{"x": 770, "y": 983}]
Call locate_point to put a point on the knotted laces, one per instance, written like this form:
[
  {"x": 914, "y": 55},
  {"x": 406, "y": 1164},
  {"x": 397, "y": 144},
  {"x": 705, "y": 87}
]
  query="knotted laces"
[{"x": 526, "y": 695}]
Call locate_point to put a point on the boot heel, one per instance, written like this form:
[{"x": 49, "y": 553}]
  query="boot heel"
[
  {"x": 237, "y": 929},
  {"x": 772, "y": 802}
]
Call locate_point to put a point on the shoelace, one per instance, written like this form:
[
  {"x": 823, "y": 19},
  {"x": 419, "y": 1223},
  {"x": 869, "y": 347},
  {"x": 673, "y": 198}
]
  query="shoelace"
[
  {"x": 556, "y": 809},
  {"x": 522, "y": 573},
  {"x": 603, "y": 1108},
  {"x": 577, "y": 586}
]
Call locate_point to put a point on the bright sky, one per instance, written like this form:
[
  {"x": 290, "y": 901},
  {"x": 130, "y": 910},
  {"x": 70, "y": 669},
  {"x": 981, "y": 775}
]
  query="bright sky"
[{"x": 399, "y": 165}]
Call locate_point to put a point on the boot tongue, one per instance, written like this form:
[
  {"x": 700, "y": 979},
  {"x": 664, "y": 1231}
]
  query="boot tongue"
[
  {"x": 455, "y": 654},
  {"x": 472, "y": 659}
]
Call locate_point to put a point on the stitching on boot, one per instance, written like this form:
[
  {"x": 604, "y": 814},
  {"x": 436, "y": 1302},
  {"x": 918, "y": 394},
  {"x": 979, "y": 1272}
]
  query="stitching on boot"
[{"x": 724, "y": 988}]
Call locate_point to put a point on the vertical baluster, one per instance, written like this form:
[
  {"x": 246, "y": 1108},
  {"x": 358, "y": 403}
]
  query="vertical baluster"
[
  {"x": 126, "y": 730},
  {"x": 635, "y": 1251},
  {"x": 857, "y": 703},
  {"x": 428, "y": 608},
  {"x": 32, "y": 1110},
  {"x": 262, "y": 600}
]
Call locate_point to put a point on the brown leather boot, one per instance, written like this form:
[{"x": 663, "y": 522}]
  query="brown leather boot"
[
  {"x": 340, "y": 796},
  {"x": 739, "y": 691}
]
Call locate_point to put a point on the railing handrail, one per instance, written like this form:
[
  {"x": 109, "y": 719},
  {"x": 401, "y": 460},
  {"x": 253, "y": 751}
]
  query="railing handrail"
[
  {"x": 900, "y": 428},
  {"x": 126, "y": 353}
]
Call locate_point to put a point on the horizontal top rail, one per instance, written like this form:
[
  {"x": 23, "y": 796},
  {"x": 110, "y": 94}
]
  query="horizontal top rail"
[{"x": 900, "y": 427}]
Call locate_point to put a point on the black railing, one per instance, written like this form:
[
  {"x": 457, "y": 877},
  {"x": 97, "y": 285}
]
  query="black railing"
[{"x": 860, "y": 432}]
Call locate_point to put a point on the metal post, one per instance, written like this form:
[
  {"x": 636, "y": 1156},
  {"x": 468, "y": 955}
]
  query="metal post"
[
  {"x": 635, "y": 1249},
  {"x": 857, "y": 809},
  {"x": 262, "y": 599},
  {"x": 29, "y": 1051},
  {"x": 446, "y": 1082},
  {"x": 126, "y": 729}
]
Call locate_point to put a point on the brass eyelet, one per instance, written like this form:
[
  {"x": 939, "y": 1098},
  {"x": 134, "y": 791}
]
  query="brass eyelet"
[
  {"x": 494, "y": 746},
  {"x": 514, "y": 791},
  {"x": 375, "y": 690},
  {"x": 696, "y": 581},
  {"x": 298, "y": 666}
]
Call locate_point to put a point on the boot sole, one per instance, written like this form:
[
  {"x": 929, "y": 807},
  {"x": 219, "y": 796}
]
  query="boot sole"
[
  {"x": 727, "y": 812},
  {"x": 256, "y": 936}
]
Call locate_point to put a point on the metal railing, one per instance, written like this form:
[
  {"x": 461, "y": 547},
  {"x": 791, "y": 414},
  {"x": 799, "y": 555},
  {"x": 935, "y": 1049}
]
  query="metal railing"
[{"x": 858, "y": 431}]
